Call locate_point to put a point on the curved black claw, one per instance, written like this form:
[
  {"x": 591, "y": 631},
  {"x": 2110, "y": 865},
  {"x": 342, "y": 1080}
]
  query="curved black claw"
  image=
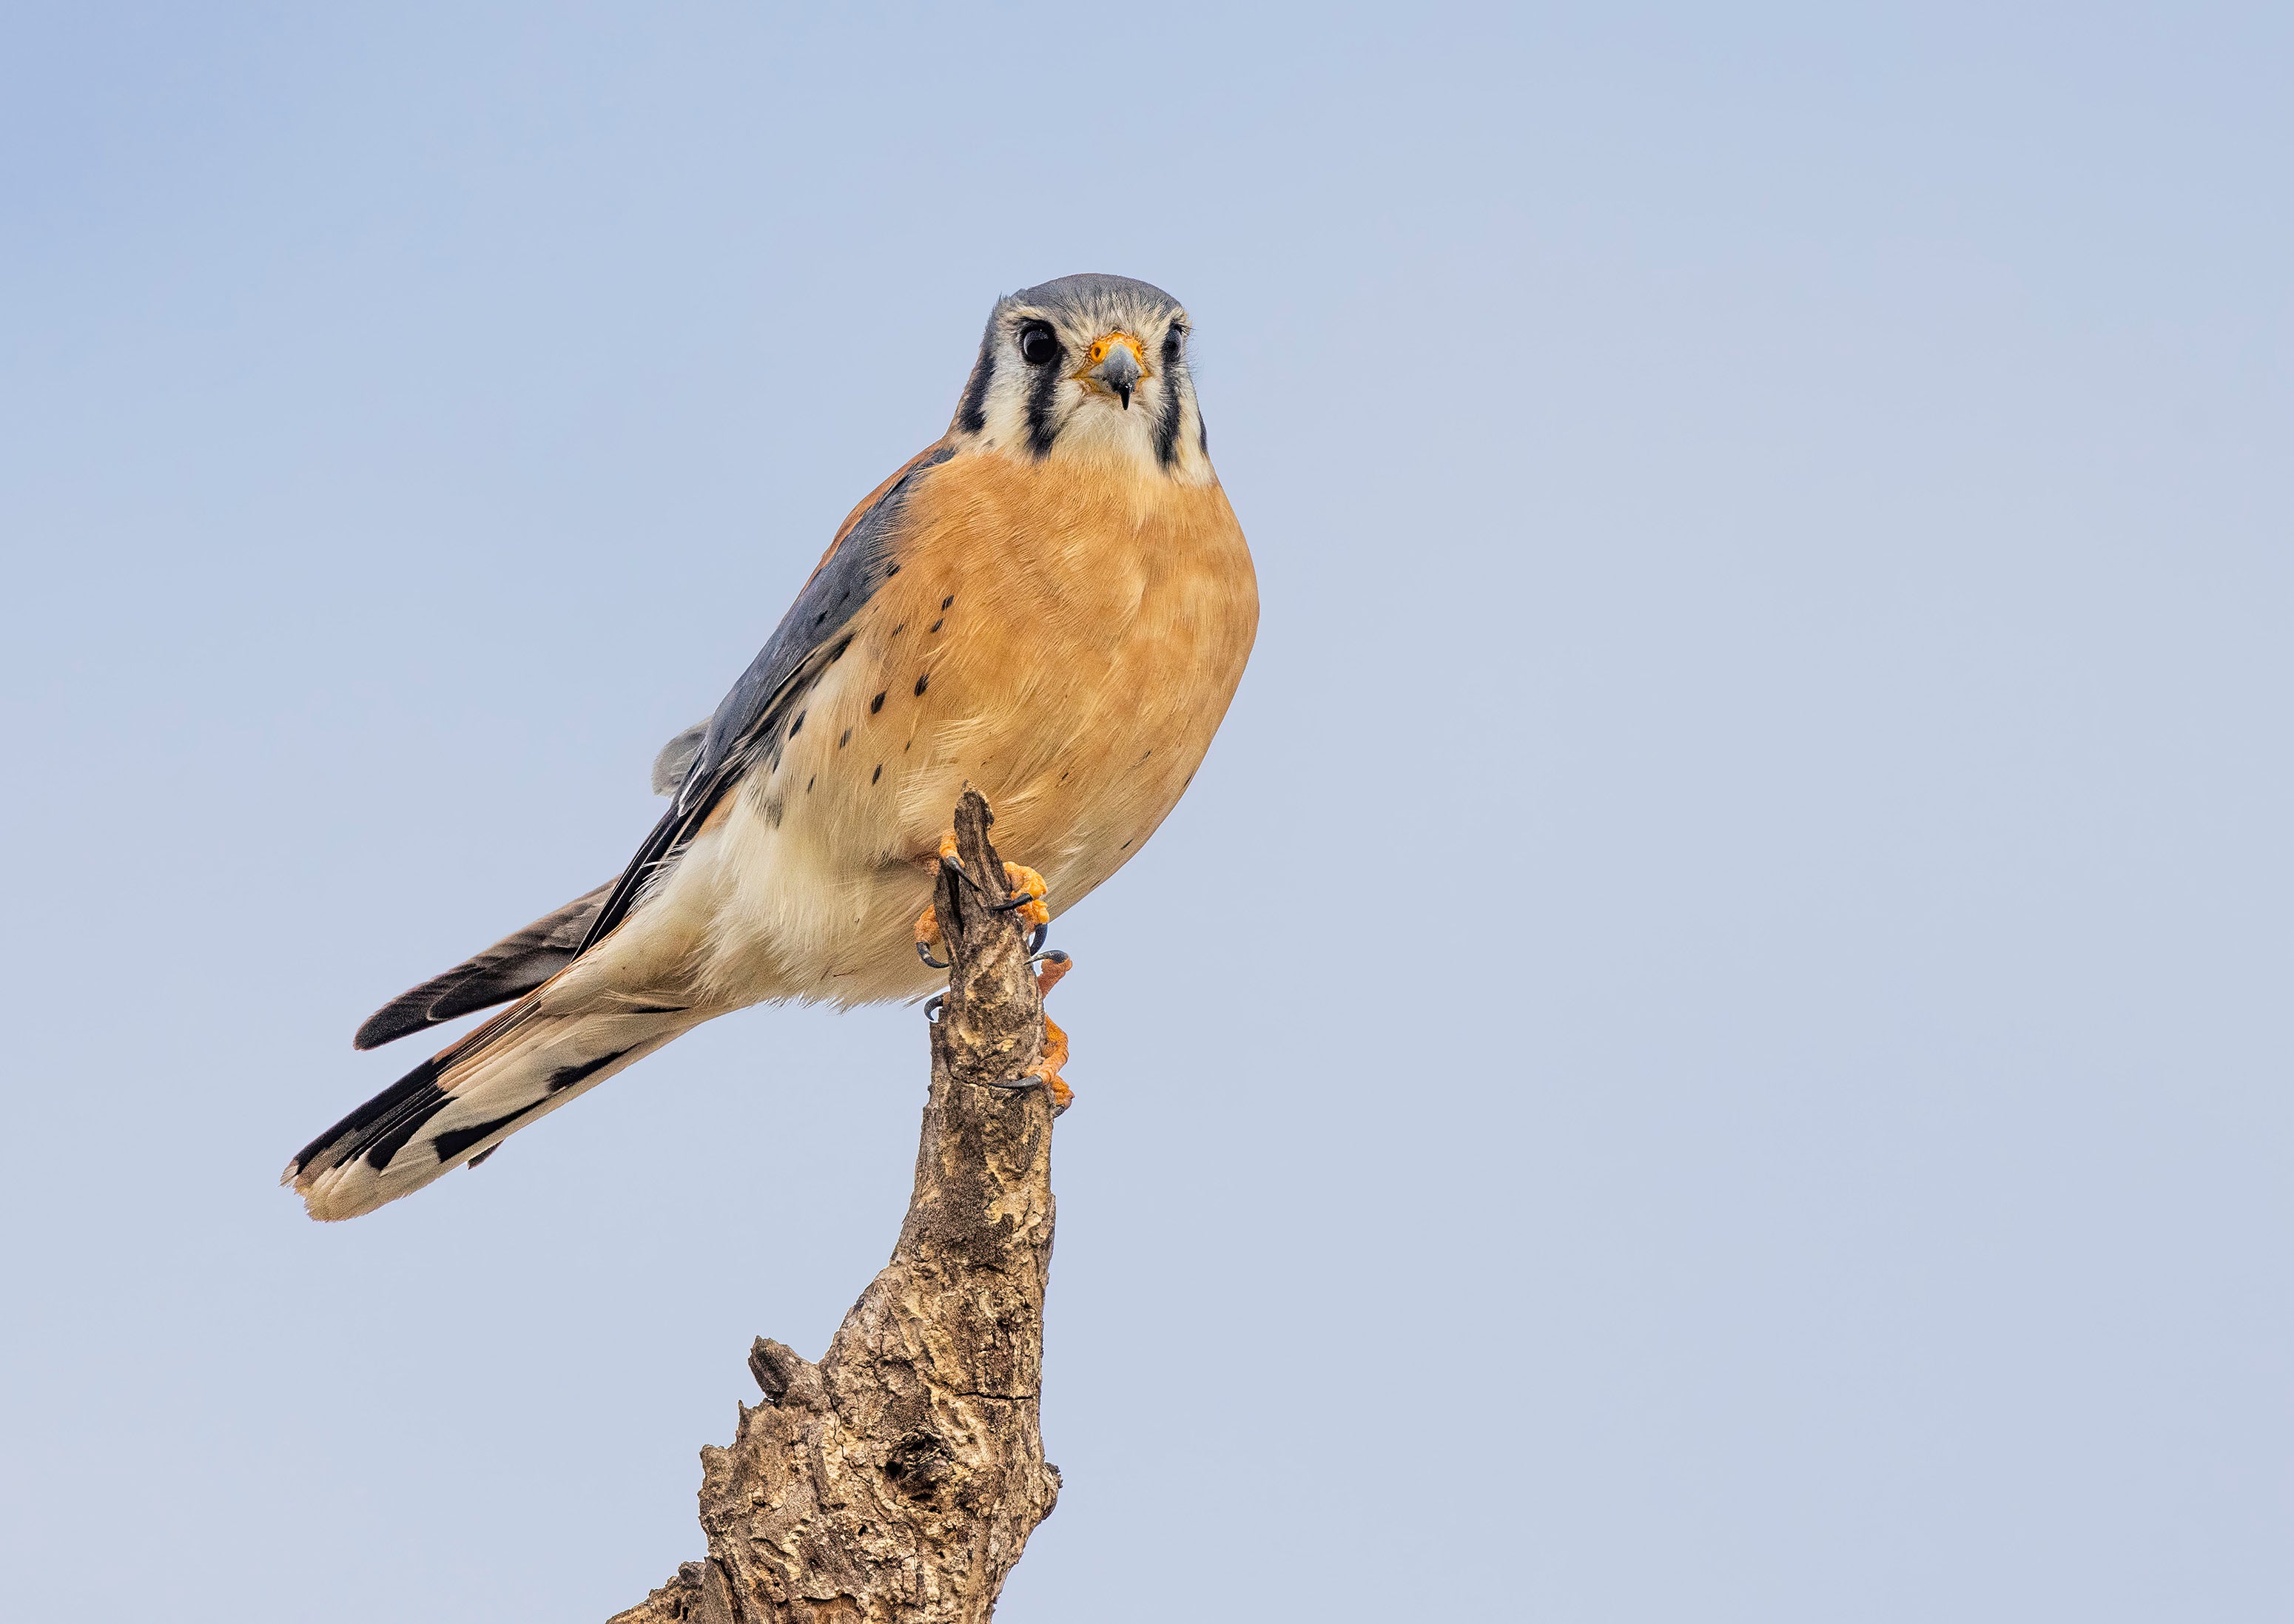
[
  {"x": 924, "y": 954},
  {"x": 1010, "y": 903},
  {"x": 1036, "y": 939},
  {"x": 1027, "y": 1083},
  {"x": 954, "y": 865},
  {"x": 933, "y": 1005}
]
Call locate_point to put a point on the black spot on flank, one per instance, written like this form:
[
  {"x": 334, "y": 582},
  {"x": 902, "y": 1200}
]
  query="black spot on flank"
[
  {"x": 567, "y": 1077},
  {"x": 818, "y": 619},
  {"x": 879, "y": 773},
  {"x": 922, "y": 680},
  {"x": 657, "y": 1008},
  {"x": 905, "y": 748},
  {"x": 936, "y": 625},
  {"x": 945, "y": 602},
  {"x": 1124, "y": 847},
  {"x": 454, "y": 1142},
  {"x": 844, "y": 738},
  {"x": 479, "y": 1160},
  {"x": 836, "y": 653},
  {"x": 875, "y": 705},
  {"x": 810, "y": 781},
  {"x": 898, "y": 629},
  {"x": 892, "y": 571},
  {"x": 751, "y": 718},
  {"x": 797, "y": 724},
  {"x": 775, "y": 809}
]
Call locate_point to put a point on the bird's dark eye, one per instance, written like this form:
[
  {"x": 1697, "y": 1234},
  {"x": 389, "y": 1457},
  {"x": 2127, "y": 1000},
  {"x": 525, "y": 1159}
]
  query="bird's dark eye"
[{"x": 1037, "y": 344}]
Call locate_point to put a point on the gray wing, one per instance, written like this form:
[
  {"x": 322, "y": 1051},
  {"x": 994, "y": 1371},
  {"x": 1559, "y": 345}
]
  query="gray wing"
[
  {"x": 746, "y": 728},
  {"x": 676, "y": 758},
  {"x": 697, "y": 767},
  {"x": 524, "y": 959},
  {"x": 512, "y": 967}
]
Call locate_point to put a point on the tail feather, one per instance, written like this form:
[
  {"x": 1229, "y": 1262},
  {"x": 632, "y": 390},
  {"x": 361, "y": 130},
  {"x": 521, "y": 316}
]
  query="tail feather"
[{"x": 456, "y": 1106}]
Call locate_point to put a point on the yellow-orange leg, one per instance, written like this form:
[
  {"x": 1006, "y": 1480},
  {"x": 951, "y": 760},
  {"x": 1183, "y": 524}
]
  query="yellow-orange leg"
[
  {"x": 1019, "y": 880},
  {"x": 1055, "y": 1038},
  {"x": 928, "y": 921},
  {"x": 928, "y": 937}
]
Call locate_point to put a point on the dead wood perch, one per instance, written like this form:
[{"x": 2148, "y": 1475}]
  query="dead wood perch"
[{"x": 899, "y": 1479}]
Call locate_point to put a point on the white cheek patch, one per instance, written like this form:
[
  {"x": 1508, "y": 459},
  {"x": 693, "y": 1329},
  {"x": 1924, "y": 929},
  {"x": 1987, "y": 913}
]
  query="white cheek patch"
[
  {"x": 1088, "y": 424},
  {"x": 1097, "y": 426}
]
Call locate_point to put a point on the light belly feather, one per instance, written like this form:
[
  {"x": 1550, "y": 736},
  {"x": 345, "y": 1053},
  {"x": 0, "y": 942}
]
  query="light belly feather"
[{"x": 1068, "y": 653}]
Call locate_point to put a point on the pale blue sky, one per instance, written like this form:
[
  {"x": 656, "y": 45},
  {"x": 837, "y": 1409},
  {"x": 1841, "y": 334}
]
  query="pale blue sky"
[{"x": 1774, "y": 533}]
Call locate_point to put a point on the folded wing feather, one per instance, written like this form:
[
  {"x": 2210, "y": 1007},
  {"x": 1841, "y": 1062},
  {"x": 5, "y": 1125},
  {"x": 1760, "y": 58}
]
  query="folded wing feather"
[{"x": 515, "y": 965}]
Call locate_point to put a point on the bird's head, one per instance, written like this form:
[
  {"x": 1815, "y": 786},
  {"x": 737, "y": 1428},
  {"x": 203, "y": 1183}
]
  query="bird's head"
[{"x": 1087, "y": 367}]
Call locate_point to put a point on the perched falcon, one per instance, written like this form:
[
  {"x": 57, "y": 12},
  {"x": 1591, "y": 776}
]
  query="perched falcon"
[{"x": 1054, "y": 604}]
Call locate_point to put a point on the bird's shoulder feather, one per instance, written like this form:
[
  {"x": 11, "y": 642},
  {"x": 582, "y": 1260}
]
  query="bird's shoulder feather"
[{"x": 864, "y": 555}]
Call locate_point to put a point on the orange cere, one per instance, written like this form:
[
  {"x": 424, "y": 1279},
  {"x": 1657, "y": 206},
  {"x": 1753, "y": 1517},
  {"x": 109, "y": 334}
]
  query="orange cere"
[{"x": 1102, "y": 346}]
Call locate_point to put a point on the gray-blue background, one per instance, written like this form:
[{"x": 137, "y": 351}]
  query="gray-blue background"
[{"x": 1775, "y": 537}]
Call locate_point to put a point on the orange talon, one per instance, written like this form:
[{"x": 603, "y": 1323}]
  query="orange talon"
[
  {"x": 1055, "y": 1039},
  {"x": 1055, "y": 1055},
  {"x": 928, "y": 936},
  {"x": 1017, "y": 879},
  {"x": 1026, "y": 891}
]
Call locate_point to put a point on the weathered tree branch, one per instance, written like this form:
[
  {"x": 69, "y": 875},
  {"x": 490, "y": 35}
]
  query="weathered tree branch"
[{"x": 899, "y": 1478}]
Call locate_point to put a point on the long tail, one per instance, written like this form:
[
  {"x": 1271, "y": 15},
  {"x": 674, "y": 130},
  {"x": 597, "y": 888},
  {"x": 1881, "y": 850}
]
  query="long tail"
[{"x": 456, "y": 1106}]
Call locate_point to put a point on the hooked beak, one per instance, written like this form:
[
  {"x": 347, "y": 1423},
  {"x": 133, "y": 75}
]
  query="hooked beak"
[{"x": 1115, "y": 364}]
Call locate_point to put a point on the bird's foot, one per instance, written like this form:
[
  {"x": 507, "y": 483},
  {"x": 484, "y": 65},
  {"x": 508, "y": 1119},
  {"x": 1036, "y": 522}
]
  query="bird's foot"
[
  {"x": 1027, "y": 892},
  {"x": 1045, "y": 1073},
  {"x": 928, "y": 937}
]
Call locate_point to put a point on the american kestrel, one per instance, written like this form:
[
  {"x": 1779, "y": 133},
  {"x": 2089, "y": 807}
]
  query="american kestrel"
[{"x": 1053, "y": 604}]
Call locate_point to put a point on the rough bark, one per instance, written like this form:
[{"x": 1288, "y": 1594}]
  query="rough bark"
[{"x": 899, "y": 1479}]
